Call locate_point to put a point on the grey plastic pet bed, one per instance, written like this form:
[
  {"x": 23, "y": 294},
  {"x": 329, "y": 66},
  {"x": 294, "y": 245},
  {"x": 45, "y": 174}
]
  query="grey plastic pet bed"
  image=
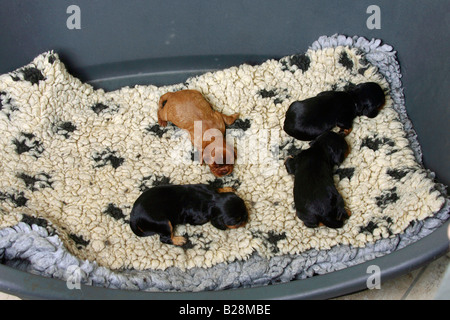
[{"x": 37, "y": 244}]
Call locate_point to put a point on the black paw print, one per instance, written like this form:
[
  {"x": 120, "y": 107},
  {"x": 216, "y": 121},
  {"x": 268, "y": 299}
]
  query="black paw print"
[
  {"x": 28, "y": 143},
  {"x": 39, "y": 181},
  {"x": 31, "y": 74},
  {"x": 107, "y": 157}
]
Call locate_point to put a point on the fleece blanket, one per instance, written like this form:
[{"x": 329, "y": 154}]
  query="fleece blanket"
[{"x": 74, "y": 160}]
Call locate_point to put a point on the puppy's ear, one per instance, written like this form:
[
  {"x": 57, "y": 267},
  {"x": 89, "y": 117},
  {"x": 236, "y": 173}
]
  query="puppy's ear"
[
  {"x": 229, "y": 120},
  {"x": 291, "y": 164},
  {"x": 335, "y": 146},
  {"x": 216, "y": 219},
  {"x": 337, "y": 154}
]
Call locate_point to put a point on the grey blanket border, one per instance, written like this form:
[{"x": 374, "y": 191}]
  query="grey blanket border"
[{"x": 35, "y": 249}]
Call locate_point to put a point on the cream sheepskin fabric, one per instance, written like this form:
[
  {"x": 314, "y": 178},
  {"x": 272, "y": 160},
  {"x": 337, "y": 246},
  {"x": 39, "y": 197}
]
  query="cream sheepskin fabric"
[{"x": 76, "y": 159}]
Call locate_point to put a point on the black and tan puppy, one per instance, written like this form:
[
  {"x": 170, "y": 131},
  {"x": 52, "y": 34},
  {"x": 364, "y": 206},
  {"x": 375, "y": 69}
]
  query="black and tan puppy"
[
  {"x": 158, "y": 210},
  {"x": 307, "y": 119},
  {"x": 316, "y": 197}
]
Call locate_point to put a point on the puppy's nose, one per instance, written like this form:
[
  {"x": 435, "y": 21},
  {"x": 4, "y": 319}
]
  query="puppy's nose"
[{"x": 221, "y": 171}]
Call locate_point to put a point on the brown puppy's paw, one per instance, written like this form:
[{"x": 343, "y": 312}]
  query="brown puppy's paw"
[
  {"x": 229, "y": 120},
  {"x": 162, "y": 123}
]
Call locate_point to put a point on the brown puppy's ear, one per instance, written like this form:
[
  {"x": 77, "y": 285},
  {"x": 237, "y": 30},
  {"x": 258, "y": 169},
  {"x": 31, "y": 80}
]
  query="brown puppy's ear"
[
  {"x": 229, "y": 119},
  {"x": 225, "y": 189}
]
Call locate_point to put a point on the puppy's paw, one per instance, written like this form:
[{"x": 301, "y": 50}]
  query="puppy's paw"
[
  {"x": 162, "y": 123},
  {"x": 229, "y": 120},
  {"x": 178, "y": 240}
]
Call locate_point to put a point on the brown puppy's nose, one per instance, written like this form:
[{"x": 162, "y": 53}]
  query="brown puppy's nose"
[{"x": 221, "y": 170}]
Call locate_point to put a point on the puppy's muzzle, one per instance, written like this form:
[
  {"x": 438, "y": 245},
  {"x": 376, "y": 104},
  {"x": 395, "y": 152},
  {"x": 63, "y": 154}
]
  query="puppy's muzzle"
[{"x": 220, "y": 170}]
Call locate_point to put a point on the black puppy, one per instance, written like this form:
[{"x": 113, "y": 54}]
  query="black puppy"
[
  {"x": 315, "y": 195},
  {"x": 159, "y": 209},
  {"x": 307, "y": 119}
]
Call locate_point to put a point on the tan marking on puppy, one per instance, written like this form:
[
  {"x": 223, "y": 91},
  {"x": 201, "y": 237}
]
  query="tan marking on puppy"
[
  {"x": 225, "y": 189},
  {"x": 176, "y": 240},
  {"x": 347, "y": 131},
  {"x": 348, "y": 212}
]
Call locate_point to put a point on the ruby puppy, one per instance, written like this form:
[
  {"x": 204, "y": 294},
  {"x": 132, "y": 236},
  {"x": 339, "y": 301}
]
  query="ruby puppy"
[
  {"x": 309, "y": 118},
  {"x": 184, "y": 109},
  {"x": 317, "y": 201},
  {"x": 159, "y": 209}
]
